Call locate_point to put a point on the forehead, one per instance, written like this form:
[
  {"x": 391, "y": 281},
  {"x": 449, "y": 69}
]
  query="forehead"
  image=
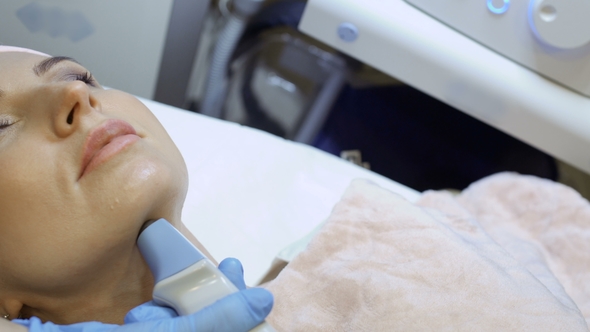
[
  {"x": 8, "y": 59},
  {"x": 14, "y": 65}
]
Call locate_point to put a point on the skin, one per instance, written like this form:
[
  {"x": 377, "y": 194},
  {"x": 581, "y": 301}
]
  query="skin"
[{"x": 68, "y": 242}]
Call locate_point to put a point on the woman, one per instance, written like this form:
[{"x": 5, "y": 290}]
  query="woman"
[{"x": 82, "y": 169}]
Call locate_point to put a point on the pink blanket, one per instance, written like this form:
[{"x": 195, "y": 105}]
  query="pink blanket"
[{"x": 510, "y": 253}]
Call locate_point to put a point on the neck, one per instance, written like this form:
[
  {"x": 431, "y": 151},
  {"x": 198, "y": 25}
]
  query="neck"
[{"x": 127, "y": 284}]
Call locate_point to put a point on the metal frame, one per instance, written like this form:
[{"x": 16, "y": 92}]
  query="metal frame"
[{"x": 179, "y": 51}]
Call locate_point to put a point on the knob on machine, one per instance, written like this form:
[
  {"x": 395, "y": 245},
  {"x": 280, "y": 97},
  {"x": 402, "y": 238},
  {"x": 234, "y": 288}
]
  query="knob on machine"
[{"x": 563, "y": 24}]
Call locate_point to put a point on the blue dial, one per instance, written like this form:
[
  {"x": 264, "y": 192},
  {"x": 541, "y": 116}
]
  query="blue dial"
[{"x": 498, "y": 6}]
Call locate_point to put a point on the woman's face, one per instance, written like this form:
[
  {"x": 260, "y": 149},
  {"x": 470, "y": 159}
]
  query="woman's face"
[{"x": 81, "y": 169}]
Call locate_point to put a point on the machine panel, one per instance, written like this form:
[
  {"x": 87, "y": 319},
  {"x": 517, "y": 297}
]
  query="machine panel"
[
  {"x": 410, "y": 45},
  {"x": 551, "y": 37}
]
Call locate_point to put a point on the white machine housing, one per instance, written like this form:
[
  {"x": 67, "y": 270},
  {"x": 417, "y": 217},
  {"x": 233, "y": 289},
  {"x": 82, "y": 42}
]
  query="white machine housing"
[
  {"x": 551, "y": 37},
  {"x": 420, "y": 50}
]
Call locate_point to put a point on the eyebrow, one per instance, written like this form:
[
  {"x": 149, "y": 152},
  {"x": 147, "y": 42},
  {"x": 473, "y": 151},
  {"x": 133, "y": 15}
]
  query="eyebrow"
[{"x": 45, "y": 65}]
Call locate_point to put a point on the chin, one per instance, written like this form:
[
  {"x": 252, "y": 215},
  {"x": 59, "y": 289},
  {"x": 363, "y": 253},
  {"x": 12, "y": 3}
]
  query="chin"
[{"x": 144, "y": 188}]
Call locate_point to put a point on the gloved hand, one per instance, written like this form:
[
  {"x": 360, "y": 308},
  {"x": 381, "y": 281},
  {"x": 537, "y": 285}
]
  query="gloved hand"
[{"x": 241, "y": 311}]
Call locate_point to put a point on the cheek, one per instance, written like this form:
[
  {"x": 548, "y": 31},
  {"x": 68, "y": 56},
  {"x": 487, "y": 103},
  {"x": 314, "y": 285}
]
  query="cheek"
[
  {"x": 30, "y": 189},
  {"x": 129, "y": 108},
  {"x": 59, "y": 229},
  {"x": 56, "y": 228},
  {"x": 136, "y": 186},
  {"x": 130, "y": 188}
]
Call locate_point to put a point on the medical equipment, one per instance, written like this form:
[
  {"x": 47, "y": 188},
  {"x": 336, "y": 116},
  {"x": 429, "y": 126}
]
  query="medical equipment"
[
  {"x": 254, "y": 68},
  {"x": 549, "y": 37},
  {"x": 285, "y": 85},
  {"x": 442, "y": 60},
  {"x": 216, "y": 88},
  {"x": 184, "y": 278}
]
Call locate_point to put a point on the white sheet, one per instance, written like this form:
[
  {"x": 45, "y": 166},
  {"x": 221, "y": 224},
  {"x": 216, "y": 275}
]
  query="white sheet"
[{"x": 251, "y": 193}]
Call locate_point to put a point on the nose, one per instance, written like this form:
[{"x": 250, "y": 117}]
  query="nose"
[{"x": 76, "y": 101}]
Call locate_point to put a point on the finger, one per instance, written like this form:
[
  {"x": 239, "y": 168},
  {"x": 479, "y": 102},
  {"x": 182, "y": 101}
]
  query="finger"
[
  {"x": 238, "y": 312},
  {"x": 147, "y": 312},
  {"x": 35, "y": 325},
  {"x": 232, "y": 268}
]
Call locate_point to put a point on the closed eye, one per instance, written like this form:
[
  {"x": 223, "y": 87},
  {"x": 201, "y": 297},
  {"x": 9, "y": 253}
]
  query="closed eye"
[
  {"x": 86, "y": 77},
  {"x": 5, "y": 123}
]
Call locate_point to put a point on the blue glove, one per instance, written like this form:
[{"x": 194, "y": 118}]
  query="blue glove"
[{"x": 241, "y": 311}]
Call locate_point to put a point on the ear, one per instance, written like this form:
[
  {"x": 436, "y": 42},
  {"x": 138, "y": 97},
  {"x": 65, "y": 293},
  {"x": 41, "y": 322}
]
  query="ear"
[{"x": 11, "y": 307}]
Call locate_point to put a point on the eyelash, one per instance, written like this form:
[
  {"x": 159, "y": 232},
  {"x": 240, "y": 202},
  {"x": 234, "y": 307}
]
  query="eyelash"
[
  {"x": 4, "y": 123},
  {"x": 86, "y": 78}
]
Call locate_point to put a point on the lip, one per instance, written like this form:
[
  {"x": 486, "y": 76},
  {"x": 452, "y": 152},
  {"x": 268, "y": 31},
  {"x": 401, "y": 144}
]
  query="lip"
[{"x": 106, "y": 141}]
